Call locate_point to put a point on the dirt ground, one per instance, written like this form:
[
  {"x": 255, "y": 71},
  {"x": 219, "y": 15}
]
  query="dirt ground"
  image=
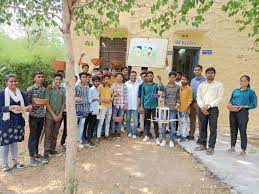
[{"x": 122, "y": 166}]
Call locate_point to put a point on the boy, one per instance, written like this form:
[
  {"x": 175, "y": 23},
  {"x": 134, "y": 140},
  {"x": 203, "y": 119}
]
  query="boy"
[
  {"x": 106, "y": 97},
  {"x": 82, "y": 105},
  {"x": 184, "y": 110},
  {"x": 119, "y": 102},
  {"x": 171, "y": 100},
  {"x": 114, "y": 76},
  {"x": 55, "y": 107},
  {"x": 149, "y": 103},
  {"x": 36, "y": 116},
  {"x": 94, "y": 103}
]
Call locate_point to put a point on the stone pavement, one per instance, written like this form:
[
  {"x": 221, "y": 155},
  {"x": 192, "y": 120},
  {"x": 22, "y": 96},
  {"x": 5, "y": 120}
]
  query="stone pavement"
[{"x": 242, "y": 173}]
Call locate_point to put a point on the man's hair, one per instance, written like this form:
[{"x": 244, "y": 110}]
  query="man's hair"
[
  {"x": 124, "y": 68},
  {"x": 57, "y": 75},
  {"x": 60, "y": 71},
  {"x": 119, "y": 73},
  {"x": 179, "y": 72},
  {"x": 172, "y": 73},
  {"x": 150, "y": 48},
  {"x": 107, "y": 75},
  {"x": 133, "y": 72},
  {"x": 210, "y": 69},
  {"x": 7, "y": 77},
  {"x": 150, "y": 72},
  {"x": 38, "y": 73},
  {"x": 143, "y": 74},
  {"x": 140, "y": 47},
  {"x": 105, "y": 69},
  {"x": 96, "y": 78},
  {"x": 144, "y": 68},
  {"x": 85, "y": 65},
  {"x": 185, "y": 76},
  {"x": 83, "y": 73},
  {"x": 198, "y": 66}
]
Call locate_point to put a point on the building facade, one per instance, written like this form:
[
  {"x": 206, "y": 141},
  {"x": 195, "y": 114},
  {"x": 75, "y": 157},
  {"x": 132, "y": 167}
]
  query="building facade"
[{"x": 215, "y": 43}]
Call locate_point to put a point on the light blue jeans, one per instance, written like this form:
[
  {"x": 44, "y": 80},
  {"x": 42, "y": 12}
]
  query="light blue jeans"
[
  {"x": 172, "y": 115},
  {"x": 132, "y": 130},
  {"x": 5, "y": 152},
  {"x": 80, "y": 129},
  {"x": 117, "y": 112}
]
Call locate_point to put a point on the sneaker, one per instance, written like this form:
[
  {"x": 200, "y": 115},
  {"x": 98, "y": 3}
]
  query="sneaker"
[
  {"x": 146, "y": 138},
  {"x": 183, "y": 139},
  {"x": 33, "y": 162},
  {"x": 231, "y": 150},
  {"x": 129, "y": 135},
  {"x": 53, "y": 152},
  {"x": 6, "y": 169},
  {"x": 98, "y": 140},
  {"x": 191, "y": 138},
  {"x": 19, "y": 165},
  {"x": 134, "y": 136},
  {"x": 38, "y": 156},
  {"x": 210, "y": 151},
  {"x": 178, "y": 136},
  {"x": 81, "y": 145},
  {"x": 90, "y": 144},
  {"x": 171, "y": 144},
  {"x": 45, "y": 160},
  {"x": 163, "y": 143},
  {"x": 157, "y": 141},
  {"x": 242, "y": 153},
  {"x": 200, "y": 148}
]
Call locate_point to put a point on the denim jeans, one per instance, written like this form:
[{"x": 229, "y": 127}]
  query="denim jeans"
[
  {"x": 172, "y": 115},
  {"x": 80, "y": 129},
  {"x": 117, "y": 112},
  {"x": 5, "y": 151},
  {"x": 132, "y": 130},
  {"x": 105, "y": 114},
  {"x": 184, "y": 124}
]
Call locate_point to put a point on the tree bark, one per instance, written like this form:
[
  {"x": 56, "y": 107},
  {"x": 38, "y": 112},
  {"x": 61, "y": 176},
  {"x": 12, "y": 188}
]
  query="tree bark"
[{"x": 71, "y": 148}]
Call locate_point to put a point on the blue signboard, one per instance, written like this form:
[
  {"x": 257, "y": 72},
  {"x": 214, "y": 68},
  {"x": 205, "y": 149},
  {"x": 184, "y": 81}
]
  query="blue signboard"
[{"x": 207, "y": 52}]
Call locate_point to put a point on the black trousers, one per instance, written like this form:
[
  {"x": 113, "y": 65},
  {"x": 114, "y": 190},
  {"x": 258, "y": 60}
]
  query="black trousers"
[
  {"x": 147, "y": 123},
  {"x": 212, "y": 119},
  {"x": 239, "y": 120},
  {"x": 91, "y": 125},
  {"x": 87, "y": 119},
  {"x": 64, "y": 135},
  {"x": 36, "y": 125}
]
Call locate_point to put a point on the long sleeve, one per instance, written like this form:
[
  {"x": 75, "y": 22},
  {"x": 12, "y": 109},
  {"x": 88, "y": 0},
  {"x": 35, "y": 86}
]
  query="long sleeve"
[
  {"x": 220, "y": 95},
  {"x": 125, "y": 94},
  {"x": 3, "y": 108},
  {"x": 199, "y": 97},
  {"x": 178, "y": 96},
  {"x": 253, "y": 100}
]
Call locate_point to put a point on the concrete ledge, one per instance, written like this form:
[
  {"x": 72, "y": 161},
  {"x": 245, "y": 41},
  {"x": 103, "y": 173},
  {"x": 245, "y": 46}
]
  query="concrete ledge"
[{"x": 241, "y": 173}]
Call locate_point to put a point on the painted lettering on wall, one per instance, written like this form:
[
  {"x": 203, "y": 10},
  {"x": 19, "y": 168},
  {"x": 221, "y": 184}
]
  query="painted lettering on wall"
[{"x": 185, "y": 42}]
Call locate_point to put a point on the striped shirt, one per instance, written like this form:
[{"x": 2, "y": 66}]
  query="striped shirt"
[
  {"x": 120, "y": 95},
  {"x": 82, "y": 106},
  {"x": 35, "y": 91}
]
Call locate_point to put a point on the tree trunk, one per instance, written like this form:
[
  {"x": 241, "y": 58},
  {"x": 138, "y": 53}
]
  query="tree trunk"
[{"x": 71, "y": 148}]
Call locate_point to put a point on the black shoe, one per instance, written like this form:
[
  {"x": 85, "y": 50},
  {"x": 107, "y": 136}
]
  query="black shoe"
[
  {"x": 198, "y": 142},
  {"x": 190, "y": 137},
  {"x": 53, "y": 152},
  {"x": 90, "y": 144},
  {"x": 45, "y": 159}
]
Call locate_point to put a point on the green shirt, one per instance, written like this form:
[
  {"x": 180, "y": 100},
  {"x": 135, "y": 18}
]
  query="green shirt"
[
  {"x": 56, "y": 98},
  {"x": 149, "y": 98}
]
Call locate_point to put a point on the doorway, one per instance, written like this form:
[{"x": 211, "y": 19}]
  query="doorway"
[{"x": 185, "y": 59}]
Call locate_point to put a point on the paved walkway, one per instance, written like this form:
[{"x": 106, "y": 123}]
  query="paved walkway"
[{"x": 242, "y": 173}]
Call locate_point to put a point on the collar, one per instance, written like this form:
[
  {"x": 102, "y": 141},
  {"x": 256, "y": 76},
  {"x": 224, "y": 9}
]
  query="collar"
[
  {"x": 198, "y": 78},
  {"x": 35, "y": 86}
]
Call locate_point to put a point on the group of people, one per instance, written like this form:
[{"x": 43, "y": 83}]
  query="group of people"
[{"x": 106, "y": 98}]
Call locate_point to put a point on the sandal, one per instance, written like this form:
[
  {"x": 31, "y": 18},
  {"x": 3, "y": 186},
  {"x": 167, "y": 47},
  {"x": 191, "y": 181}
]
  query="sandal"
[
  {"x": 242, "y": 153},
  {"x": 231, "y": 150},
  {"x": 200, "y": 148},
  {"x": 210, "y": 151}
]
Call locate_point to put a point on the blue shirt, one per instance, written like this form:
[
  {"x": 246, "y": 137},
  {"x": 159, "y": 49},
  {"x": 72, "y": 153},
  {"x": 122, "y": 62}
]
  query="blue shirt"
[
  {"x": 246, "y": 98},
  {"x": 195, "y": 85},
  {"x": 93, "y": 95}
]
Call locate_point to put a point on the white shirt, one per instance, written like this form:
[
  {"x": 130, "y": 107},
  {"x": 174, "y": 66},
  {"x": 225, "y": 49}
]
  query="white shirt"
[
  {"x": 210, "y": 94},
  {"x": 132, "y": 95},
  {"x": 179, "y": 83}
]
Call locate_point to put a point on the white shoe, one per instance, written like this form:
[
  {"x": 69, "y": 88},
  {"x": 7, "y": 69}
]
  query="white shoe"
[
  {"x": 146, "y": 138},
  {"x": 134, "y": 136},
  {"x": 163, "y": 143},
  {"x": 81, "y": 145},
  {"x": 129, "y": 135},
  {"x": 171, "y": 145},
  {"x": 157, "y": 141}
]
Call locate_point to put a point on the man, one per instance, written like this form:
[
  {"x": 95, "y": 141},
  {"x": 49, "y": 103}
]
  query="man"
[
  {"x": 143, "y": 70},
  {"x": 194, "y": 109},
  {"x": 94, "y": 110},
  {"x": 55, "y": 107},
  {"x": 209, "y": 95},
  {"x": 125, "y": 73},
  {"x": 178, "y": 78},
  {"x": 85, "y": 66},
  {"x": 82, "y": 105},
  {"x": 106, "y": 71},
  {"x": 132, "y": 108},
  {"x": 36, "y": 116},
  {"x": 119, "y": 103},
  {"x": 114, "y": 73},
  {"x": 149, "y": 103},
  {"x": 172, "y": 101}
]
